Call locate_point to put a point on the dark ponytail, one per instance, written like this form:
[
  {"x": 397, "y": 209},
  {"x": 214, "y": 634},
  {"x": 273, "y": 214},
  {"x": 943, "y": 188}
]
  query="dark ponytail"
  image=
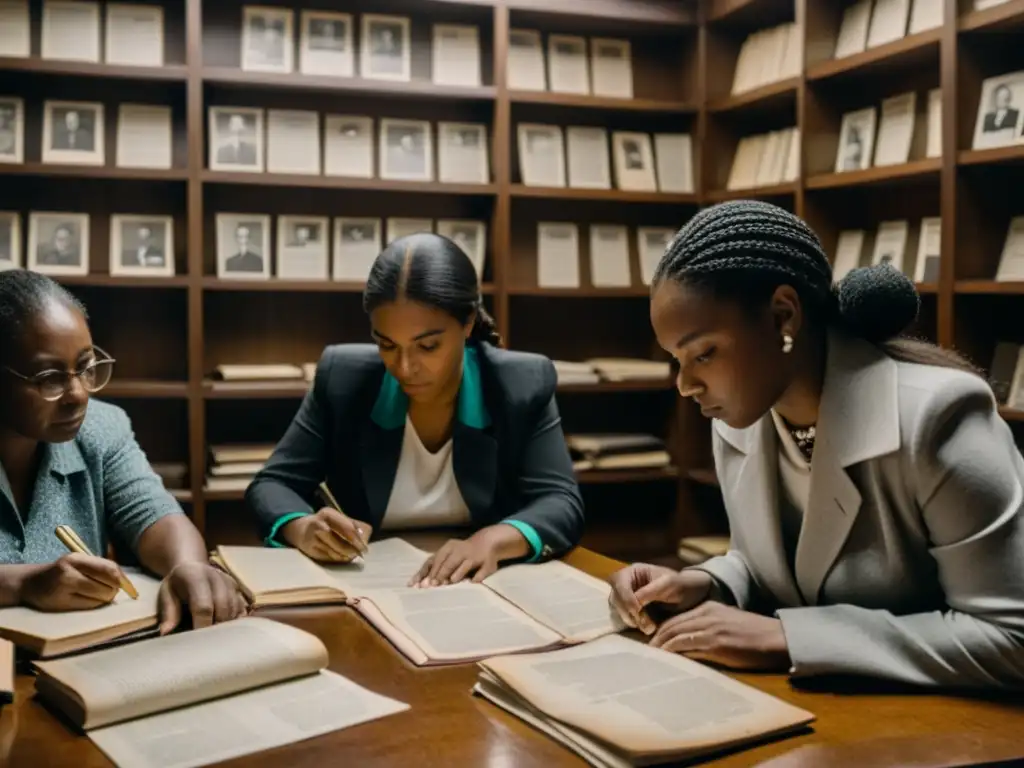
[
  {"x": 744, "y": 249},
  {"x": 432, "y": 270}
]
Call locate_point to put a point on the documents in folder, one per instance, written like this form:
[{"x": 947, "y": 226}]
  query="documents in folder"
[
  {"x": 209, "y": 695},
  {"x": 47, "y": 634},
  {"x": 520, "y": 608},
  {"x": 619, "y": 703}
]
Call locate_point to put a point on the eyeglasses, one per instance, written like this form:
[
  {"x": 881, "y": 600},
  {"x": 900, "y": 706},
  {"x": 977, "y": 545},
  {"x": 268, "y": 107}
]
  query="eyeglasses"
[{"x": 53, "y": 385}]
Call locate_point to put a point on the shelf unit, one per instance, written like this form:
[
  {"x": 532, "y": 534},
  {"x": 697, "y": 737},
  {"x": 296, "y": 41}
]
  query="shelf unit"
[{"x": 170, "y": 333}]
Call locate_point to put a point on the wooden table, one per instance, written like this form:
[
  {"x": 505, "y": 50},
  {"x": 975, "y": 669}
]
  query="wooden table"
[{"x": 446, "y": 726}]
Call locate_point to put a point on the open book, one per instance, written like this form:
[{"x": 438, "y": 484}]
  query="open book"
[
  {"x": 47, "y": 634},
  {"x": 208, "y": 695},
  {"x": 619, "y": 703},
  {"x": 522, "y": 607}
]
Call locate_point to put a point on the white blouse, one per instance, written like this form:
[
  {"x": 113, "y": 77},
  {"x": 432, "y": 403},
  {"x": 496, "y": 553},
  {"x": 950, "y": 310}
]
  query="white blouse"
[{"x": 425, "y": 493}]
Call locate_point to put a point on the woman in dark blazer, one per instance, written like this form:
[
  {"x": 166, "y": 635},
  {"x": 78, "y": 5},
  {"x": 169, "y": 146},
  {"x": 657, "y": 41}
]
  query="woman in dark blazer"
[{"x": 432, "y": 426}]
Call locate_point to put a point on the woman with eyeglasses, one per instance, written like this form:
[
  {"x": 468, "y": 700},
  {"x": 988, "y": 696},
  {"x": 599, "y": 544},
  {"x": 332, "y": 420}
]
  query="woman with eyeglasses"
[{"x": 66, "y": 460}]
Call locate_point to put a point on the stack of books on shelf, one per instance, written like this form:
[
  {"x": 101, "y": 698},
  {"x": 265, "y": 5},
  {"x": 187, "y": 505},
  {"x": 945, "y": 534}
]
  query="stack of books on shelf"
[
  {"x": 617, "y": 451},
  {"x": 600, "y": 369},
  {"x": 232, "y": 467},
  {"x": 867, "y": 24},
  {"x": 765, "y": 159},
  {"x": 276, "y": 372},
  {"x": 768, "y": 56},
  {"x": 890, "y": 246},
  {"x": 858, "y": 149}
]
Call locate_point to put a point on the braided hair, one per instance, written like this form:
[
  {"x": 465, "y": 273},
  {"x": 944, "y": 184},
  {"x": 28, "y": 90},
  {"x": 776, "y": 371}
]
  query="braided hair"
[
  {"x": 744, "y": 249},
  {"x": 433, "y": 270},
  {"x": 23, "y": 296}
]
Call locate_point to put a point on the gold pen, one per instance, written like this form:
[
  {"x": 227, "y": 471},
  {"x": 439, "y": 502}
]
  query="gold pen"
[
  {"x": 73, "y": 542},
  {"x": 360, "y": 529}
]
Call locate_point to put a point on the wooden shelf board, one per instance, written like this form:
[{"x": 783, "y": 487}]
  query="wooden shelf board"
[
  {"x": 1014, "y": 153},
  {"x": 1011, "y": 414},
  {"x": 93, "y": 172},
  {"x": 254, "y": 390},
  {"x": 212, "y": 283},
  {"x": 779, "y": 94},
  {"x": 114, "y": 281},
  {"x": 646, "y": 475},
  {"x": 657, "y": 14},
  {"x": 908, "y": 171},
  {"x": 143, "y": 388},
  {"x": 182, "y": 495},
  {"x": 890, "y": 53},
  {"x": 610, "y": 195},
  {"x": 927, "y": 288},
  {"x": 1007, "y": 16},
  {"x": 346, "y": 182},
  {"x": 775, "y": 190},
  {"x": 702, "y": 475},
  {"x": 167, "y": 73},
  {"x": 644, "y": 385},
  {"x": 223, "y": 495},
  {"x": 582, "y": 293},
  {"x": 420, "y": 89},
  {"x": 584, "y": 101},
  {"x": 1004, "y": 287}
]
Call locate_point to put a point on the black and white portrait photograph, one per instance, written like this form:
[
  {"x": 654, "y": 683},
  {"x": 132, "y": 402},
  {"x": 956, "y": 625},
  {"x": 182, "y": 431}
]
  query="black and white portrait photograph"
[
  {"x": 384, "y": 45},
  {"x": 463, "y": 153},
  {"x": 58, "y": 243},
  {"x": 406, "y": 150},
  {"x": 10, "y": 240},
  {"x": 73, "y": 133},
  {"x": 267, "y": 44},
  {"x": 236, "y": 139},
  {"x": 856, "y": 140},
  {"x": 633, "y": 158},
  {"x": 142, "y": 245},
  {"x": 325, "y": 46},
  {"x": 541, "y": 155},
  {"x": 302, "y": 248},
  {"x": 356, "y": 244},
  {"x": 1000, "y": 111},
  {"x": 243, "y": 246},
  {"x": 469, "y": 236},
  {"x": 12, "y": 130}
]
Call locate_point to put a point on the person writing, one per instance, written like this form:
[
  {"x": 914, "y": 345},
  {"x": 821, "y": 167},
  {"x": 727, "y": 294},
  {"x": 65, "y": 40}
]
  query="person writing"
[
  {"x": 66, "y": 460},
  {"x": 432, "y": 426},
  {"x": 872, "y": 489}
]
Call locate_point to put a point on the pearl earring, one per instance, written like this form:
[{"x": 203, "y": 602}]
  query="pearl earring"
[{"x": 787, "y": 343}]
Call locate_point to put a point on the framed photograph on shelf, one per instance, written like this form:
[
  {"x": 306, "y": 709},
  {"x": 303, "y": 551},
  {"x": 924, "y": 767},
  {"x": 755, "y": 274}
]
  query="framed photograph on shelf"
[
  {"x": 385, "y": 48},
  {"x": 526, "y": 61},
  {"x": 144, "y": 136},
  {"x": 14, "y": 29},
  {"x": 12, "y": 129},
  {"x": 236, "y": 139},
  {"x": 541, "y": 155},
  {"x": 135, "y": 35},
  {"x": 73, "y": 133},
  {"x": 456, "y": 55},
  {"x": 397, "y": 226},
  {"x": 302, "y": 248},
  {"x": 325, "y": 44},
  {"x": 634, "y": 161},
  {"x": 243, "y": 246},
  {"x": 856, "y": 140},
  {"x": 470, "y": 236},
  {"x": 10, "y": 240},
  {"x": 651, "y": 243},
  {"x": 267, "y": 40},
  {"x": 567, "y": 64},
  {"x": 462, "y": 154},
  {"x": 293, "y": 141},
  {"x": 142, "y": 245},
  {"x": 406, "y": 150},
  {"x": 58, "y": 243},
  {"x": 1000, "y": 111},
  {"x": 348, "y": 146},
  {"x": 70, "y": 31},
  {"x": 611, "y": 67},
  {"x": 356, "y": 245},
  {"x": 589, "y": 166}
]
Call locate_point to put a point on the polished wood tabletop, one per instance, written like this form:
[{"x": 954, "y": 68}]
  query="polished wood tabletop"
[{"x": 447, "y": 726}]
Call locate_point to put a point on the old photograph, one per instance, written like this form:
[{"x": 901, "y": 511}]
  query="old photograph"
[
  {"x": 406, "y": 150},
  {"x": 73, "y": 133},
  {"x": 15, "y": 26},
  {"x": 384, "y": 45},
  {"x": 348, "y": 146},
  {"x": 463, "y": 153},
  {"x": 267, "y": 44},
  {"x": 10, "y": 240},
  {"x": 633, "y": 159},
  {"x": 1000, "y": 111},
  {"x": 856, "y": 140},
  {"x": 541, "y": 155},
  {"x": 12, "y": 130},
  {"x": 70, "y": 31},
  {"x": 470, "y": 236},
  {"x": 142, "y": 245},
  {"x": 59, "y": 243},
  {"x": 236, "y": 139},
  {"x": 302, "y": 248},
  {"x": 243, "y": 246},
  {"x": 134, "y": 35},
  {"x": 356, "y": 244},
  {"x": 325, "y": 46}
]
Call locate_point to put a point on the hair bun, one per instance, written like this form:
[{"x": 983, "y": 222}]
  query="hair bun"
[{"x": 877, "y": 303}]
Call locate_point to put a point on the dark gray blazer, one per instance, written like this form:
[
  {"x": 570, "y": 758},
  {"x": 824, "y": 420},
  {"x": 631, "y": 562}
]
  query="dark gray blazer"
[{"x": 509, "y": 453}]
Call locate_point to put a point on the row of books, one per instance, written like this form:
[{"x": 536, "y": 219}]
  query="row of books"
[
  {"x": 765, "y": 159},
  {"x": 891, "y": 244},
  {"x": 768, "y": 56},
  {"x": 870, "y": 23},
  {"x": 598, "y": 369}
]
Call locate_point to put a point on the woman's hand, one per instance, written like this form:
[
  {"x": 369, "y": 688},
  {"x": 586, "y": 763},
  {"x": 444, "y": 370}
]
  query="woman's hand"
[
  {"x": 326, "y": 536},
  {"x": 211, "y": 595},
  {"x": 726, "y": 636},
  {"x": 479, "y": 555},
  {"x": 75, "y": 582},
  {"x": 642, "y": 585}
]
